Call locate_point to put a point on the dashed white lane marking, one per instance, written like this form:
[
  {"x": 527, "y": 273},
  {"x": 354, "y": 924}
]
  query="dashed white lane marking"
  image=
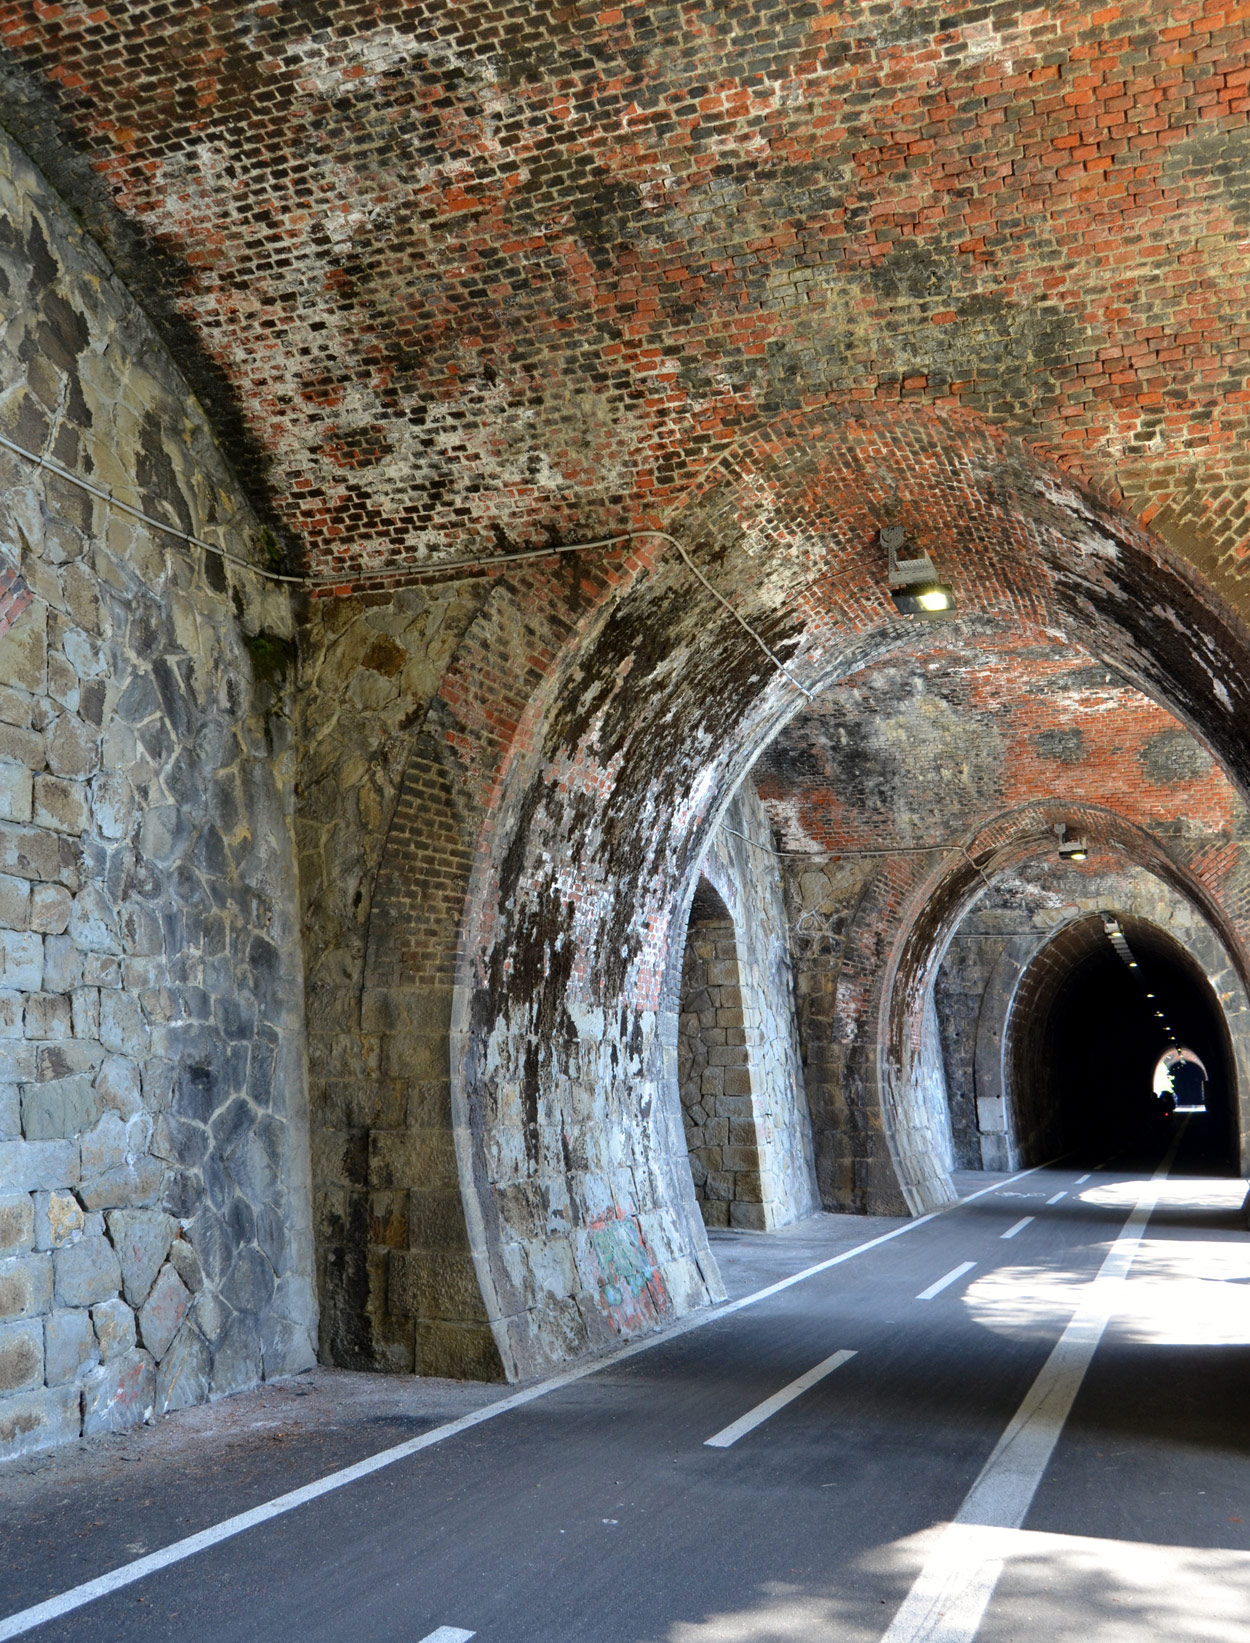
[
  {"x": 1019, "y": 1226},
  {"x": 950, "y": 1278},
  {"x": 951, "y": 1593},
  {"x": 1055, "y": 1199},
  {"x": 448, "y": 1634},
  {"x": 77, "y": 1597},
  {"x": 757, "y": 1416},
  {"x": 1080, "y": 1180}
]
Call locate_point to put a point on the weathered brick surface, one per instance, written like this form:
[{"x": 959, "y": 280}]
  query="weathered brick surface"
[{"x": 539, "y": 268}]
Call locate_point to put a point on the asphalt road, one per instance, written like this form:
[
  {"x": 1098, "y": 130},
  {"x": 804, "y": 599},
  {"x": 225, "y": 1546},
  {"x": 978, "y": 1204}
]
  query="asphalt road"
[{"x": 600, "y": 1513}]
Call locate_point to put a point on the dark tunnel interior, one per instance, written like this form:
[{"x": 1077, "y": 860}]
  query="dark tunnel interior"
[{"x": 1088, "y": 1034}]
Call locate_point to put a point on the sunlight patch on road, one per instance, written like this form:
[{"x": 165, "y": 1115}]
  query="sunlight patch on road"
[{"x": 1078, "y": 1589}]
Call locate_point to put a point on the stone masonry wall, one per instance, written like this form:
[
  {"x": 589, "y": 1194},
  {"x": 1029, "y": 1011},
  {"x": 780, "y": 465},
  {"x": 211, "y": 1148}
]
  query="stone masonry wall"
[
  {"x": 714, "y": 1075},
  {"x": 154, "y": 1221}
]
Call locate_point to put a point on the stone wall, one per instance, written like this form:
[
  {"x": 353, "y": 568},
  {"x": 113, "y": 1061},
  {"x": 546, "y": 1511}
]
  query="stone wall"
[
  {"x": 713, "y": 1071},
  {"x": 154, "y": 1210},
  {"x": 742, "y": 865}
]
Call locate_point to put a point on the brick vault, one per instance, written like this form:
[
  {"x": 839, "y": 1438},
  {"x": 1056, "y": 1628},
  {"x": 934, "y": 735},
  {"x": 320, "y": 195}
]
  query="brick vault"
[{"x": 471, "y": 814}]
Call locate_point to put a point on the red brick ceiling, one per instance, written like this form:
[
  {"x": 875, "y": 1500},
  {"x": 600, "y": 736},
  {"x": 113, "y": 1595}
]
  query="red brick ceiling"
[{"x": 449, "y": 276}]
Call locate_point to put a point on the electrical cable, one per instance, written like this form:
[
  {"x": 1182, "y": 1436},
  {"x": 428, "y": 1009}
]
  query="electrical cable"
[{"x": 426, "y": 573}]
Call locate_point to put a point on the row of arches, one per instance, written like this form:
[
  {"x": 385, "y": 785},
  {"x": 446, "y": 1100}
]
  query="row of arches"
[{"x": 587, "y": 796}]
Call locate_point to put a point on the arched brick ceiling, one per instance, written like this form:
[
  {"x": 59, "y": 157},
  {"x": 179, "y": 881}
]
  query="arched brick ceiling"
[
  {"x": 919, "y": 749},
  {"x": 452, "y": 275}
]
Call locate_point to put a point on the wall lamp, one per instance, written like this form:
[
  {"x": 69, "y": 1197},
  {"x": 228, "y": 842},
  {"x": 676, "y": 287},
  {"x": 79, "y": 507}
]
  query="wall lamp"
[
  {"x": 1070, "y": 849},
  {"x": 914, "y": 584}
]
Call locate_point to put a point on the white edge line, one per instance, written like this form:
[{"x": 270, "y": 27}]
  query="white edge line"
[
  {"x": 1019, "y": 1226},
  {"x": 944, "y": 1283},
  {"x": 25, "y": 1620},
  {"x": 771, "y": 1406}
]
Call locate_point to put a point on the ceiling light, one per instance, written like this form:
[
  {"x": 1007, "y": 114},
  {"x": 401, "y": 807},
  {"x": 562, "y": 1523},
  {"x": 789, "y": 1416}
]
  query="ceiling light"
[
  {"x": 1070, "y": 849},
  {"x": 914, "y": 584}
]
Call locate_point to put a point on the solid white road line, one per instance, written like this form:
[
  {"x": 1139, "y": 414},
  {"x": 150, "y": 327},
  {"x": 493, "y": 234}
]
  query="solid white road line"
[
  {"x": 937, "y": 1288},
  {"x": 949, "y": 1598},
  {"x": 448, "y": 1634},
  {"x": 1019, "y": 1226},
  {"x": 76, "y": 1597},
  {"x": 757, "y": 1416},
  {"x": 1055, "y": 1199}
]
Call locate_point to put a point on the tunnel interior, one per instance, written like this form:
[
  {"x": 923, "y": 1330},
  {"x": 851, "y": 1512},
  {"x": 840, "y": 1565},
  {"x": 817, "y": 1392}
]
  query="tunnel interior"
[{"x": 1092, "y": 1018}]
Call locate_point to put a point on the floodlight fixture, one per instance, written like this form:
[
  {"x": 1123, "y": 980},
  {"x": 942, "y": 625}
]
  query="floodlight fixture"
[
  {"x": 1070, "y": 849},
  {"x": 915, "y": 586}
]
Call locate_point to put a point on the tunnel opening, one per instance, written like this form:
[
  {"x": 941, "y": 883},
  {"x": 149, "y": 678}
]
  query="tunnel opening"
[
  {"x": 714, "y": 1072},
  {"x": 1180, "y": 1078},
  {"x": 1097, "y": 1012}
]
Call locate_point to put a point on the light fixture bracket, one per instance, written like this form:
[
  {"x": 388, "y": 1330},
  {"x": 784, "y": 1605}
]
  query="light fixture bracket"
[
  {"x": 914, "y": 584},
  {"x": 1070, "y": 849}
]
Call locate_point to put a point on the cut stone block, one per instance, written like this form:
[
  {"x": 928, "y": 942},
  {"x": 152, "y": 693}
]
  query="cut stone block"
[
  {"x": 38, "y": 1420},
  {"x": 17, "y": 1223},
  {"x": 70, "y": 1348},
  {"x": 87, "y": 1272},
  {"x": 25, "y": 1286},
  {"x": 21, "y": 1355}
]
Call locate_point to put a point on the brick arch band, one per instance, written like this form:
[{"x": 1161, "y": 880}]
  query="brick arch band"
[{"x": 586, "y": 786}]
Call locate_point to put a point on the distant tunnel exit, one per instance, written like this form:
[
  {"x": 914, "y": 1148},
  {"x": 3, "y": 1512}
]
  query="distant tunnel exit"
[{"x": 1101, "y": 1010}]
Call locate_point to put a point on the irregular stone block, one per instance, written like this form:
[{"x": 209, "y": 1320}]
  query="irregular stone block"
[
  {"x": 186, "y": 1263},
  {"x": 16, "y": 784},
  {"x": 69, "y": 1348},
  {"x": 21, "y": 1356},
  {"x": 12, "y": 1014},
  {"x": 28, "y": 1165},
  {"x": 131, "y": 1186},
  {"x": 14, "y": 902},
  {"x": 17, "y": 1223},
  {"x": 48, "y": 1015},
  {"x": 87, "y": 1272},
  {"x": 183, "y": 1377},
  {"x": 117, "y": 1083},
  {"x": 61, "y": 1108},
  {"x": 161, "y": 1315},
  {"x": 50, "y": 906},
  {"x": 114, "y": 1329},
  {"x": 141, "y": 1238},
  {"x": 93, "y": 923},
  {"x": 10, "y": 1112},
  {"x": 73, "y": 748},
  {"x": 60, "y": 805},
  {"x": 21, "y": 960},
  {"x": 122, "y": 1027},
  {"x": 104, "y": 1147},
  {"x": 29, "y": 852},
  {"x": 237, "y": 1362},
  {"x": 58, "y": 1219},
  {"x": 119, "y": 1395}
]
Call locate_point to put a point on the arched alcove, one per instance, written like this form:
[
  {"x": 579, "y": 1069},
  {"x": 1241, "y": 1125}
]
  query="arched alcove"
[{"x": 714, "y": 1072}]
